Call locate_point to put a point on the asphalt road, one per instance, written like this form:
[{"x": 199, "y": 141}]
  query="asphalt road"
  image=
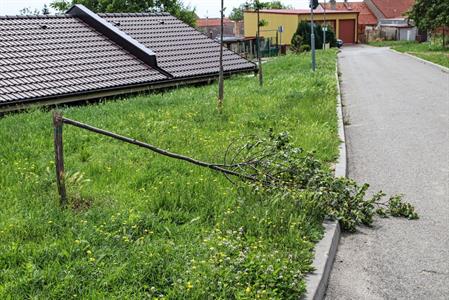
[{"x": 397, "y": 111}]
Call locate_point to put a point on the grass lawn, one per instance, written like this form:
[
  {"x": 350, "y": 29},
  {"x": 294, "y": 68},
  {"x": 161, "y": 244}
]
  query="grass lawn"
[
  {"x": 145, "y": 226},
  {"x": 433, "y": 52}
]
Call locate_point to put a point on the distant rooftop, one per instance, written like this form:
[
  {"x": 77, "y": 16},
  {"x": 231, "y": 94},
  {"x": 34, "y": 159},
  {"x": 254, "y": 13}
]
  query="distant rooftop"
[
  {"x": 319, "y": 10},
  {"x": 204, "y": 22},
  {"x": 393, "y": 8},
  {"x": 366, "y": 17}
]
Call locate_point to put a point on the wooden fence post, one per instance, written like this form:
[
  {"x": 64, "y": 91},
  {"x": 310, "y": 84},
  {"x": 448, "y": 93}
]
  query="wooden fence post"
[{"x": 59, "y": 156}]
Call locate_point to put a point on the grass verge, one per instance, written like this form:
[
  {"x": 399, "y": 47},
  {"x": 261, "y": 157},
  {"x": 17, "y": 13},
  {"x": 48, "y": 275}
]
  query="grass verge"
[
  {"x": 433, "y": 52},
  {"x": 144, "y": 226}
]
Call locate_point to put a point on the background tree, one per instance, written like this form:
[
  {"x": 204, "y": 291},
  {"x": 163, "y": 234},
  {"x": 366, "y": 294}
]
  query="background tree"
[
  {"x": 237, "y": 12},
  {"x": 174, "y": 7},
  {"x": 45, "y": 10},
  {"x": 26, "y": 11},
  {"x": 430, "y": 15}
]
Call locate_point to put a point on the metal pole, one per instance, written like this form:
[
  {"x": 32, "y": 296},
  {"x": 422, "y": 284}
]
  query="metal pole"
[{"x": 312, "y": 37}]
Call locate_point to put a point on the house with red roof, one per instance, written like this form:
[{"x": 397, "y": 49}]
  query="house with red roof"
[
  {"x": 387, "y": 16},
  {"x": 212, "y": 27},
  {"x": 390, "y": 9},
  {"x": 366, "y": 17}
]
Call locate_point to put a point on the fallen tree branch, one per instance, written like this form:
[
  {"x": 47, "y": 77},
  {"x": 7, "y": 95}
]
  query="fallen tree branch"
[{"x": 216, "y": 167}]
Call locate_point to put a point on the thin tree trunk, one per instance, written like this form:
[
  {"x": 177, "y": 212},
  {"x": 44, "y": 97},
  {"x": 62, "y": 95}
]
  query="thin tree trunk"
[
  {"x": 221, "y": 76},
  {"x": 258, "y": 46},
  {"x": 444, "y": 36}
]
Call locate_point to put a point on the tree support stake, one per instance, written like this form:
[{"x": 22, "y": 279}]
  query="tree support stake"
[{"x": 59, "y": 156}]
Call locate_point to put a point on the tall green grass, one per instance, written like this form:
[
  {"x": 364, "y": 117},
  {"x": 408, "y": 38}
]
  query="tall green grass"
[
  {"x": 431, "y": 51},
  {"x": 143, "y": 226}
]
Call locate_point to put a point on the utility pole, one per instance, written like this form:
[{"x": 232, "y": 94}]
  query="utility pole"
[{"x": 312, "y": 35}]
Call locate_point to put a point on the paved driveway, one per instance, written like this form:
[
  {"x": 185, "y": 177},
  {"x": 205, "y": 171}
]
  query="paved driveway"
[{"x": 397, "y": 109}]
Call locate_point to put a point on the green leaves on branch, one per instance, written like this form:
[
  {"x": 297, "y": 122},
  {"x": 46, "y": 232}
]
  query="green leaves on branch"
[
  {"x": 174, "y": 7},
  {"x": 263, "y": 23},
  {"x": 291, "y": 174},
  {"x": 430, "y": 14},
  {"x": 237, "y": 12}
]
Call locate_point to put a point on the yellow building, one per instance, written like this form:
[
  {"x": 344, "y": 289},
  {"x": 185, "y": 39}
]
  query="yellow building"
[{"x": 343, "y": 23}]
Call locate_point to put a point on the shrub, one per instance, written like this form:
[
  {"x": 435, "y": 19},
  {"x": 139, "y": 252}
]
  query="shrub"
[
  {"x": 302, "y": 36},
  {"x": 297, "y": 41},
  {"x": 304, "y": 48}
]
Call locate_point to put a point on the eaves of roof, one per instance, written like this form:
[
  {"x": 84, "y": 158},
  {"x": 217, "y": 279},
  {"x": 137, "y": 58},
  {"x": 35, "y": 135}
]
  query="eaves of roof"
[{"x": 116, "y": 91}]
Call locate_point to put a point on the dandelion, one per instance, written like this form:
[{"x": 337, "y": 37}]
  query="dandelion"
[
  {"x": 248, "y": 290},
  {"x": 92, "y": 259},
  {"x": 189, "y": 285}
]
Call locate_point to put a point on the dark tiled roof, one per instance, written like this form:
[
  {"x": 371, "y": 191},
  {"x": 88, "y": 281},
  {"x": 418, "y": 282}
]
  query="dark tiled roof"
[
  {"x": 180, "y": 49},
  {"x": 50, "y": 56}
]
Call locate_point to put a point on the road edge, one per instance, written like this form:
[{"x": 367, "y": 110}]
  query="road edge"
[
  {"x": 326, "y": 249},
  {"x": 442, "y": 68}
]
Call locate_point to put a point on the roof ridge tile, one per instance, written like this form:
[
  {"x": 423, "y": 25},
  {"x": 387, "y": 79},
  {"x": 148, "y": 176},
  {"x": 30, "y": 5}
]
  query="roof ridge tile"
[{"x": 35, "y": 16}]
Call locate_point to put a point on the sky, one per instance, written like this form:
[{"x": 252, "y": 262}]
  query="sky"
[{"x": 204, "y": 8}]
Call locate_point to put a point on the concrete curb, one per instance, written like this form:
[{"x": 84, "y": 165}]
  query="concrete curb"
[
  {"x": 326, "y": 249},
  {"x": 442, "y": 68}
]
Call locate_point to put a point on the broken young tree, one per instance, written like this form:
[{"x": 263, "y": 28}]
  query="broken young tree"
[{"x": 272, "y": 165}]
